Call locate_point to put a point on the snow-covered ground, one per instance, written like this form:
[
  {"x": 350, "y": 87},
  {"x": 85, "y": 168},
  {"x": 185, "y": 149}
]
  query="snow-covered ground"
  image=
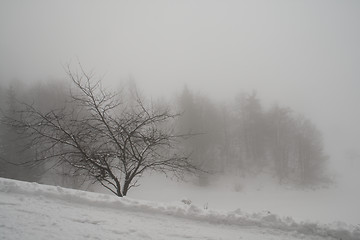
[
  {"x": 33, "y": 211},
  {"x": 338, "y": 202}
]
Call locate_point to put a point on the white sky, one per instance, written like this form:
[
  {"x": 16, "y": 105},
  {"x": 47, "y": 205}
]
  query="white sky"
[{"x": 304, "y": 54}]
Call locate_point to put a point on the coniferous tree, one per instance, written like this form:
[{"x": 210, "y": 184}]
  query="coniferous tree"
[{"x": 16, "y": 154}]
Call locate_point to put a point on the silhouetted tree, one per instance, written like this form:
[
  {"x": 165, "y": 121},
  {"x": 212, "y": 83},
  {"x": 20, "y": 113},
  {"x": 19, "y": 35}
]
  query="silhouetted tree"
[{"x": 100, "y": 136}]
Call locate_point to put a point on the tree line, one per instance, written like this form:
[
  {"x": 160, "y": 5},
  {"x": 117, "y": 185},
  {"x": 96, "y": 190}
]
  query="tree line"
[
  {"x": 76, "y": 132},
  {"x": 245, "y": 139}
]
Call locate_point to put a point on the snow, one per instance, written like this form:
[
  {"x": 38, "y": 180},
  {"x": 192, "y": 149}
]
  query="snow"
[
  {"x": 338, "y": 202},
  {"x": 34, "y": 211}
]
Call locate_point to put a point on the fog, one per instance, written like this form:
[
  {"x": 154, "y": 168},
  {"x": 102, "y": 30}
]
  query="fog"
[{"x": 301, "y": 54}]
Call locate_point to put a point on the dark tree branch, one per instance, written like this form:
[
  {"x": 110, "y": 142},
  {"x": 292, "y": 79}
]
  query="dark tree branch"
[{"x": 97, "y": 135}]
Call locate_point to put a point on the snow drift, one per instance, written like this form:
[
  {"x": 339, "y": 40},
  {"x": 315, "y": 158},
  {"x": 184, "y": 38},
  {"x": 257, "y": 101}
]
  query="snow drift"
[{"x": 184, "y": 209}]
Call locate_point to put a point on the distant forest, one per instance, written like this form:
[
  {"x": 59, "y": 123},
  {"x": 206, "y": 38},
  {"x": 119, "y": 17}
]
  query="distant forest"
[
  {"x": 245, "y": 139},
  {"x": 240, "y": 138}
]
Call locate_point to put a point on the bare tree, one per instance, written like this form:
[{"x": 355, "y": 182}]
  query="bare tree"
[
  {"x": 281, "y": 145},
  {"x": 107, "y": 139}
]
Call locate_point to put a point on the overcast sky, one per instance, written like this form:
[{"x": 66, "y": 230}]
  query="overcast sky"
[{"x": 304, "y": 54}]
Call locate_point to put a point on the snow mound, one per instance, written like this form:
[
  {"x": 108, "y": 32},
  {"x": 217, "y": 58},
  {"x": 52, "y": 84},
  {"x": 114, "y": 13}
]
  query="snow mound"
[{"x": 184, "y": 210}]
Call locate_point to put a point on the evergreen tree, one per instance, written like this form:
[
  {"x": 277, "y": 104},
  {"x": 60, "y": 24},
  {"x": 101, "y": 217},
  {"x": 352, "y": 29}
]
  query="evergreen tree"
[{"x": 16, "y": 152}]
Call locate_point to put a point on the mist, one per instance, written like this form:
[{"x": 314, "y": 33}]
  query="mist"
[{"x": 304, "y": 55}]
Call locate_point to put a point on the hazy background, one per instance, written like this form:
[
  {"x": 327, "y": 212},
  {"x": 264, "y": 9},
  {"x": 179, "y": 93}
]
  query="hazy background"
[{"x": 302, "y": 54}]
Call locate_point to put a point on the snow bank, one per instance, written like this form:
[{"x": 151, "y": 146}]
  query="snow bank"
[{"x": 183, "y": 210}]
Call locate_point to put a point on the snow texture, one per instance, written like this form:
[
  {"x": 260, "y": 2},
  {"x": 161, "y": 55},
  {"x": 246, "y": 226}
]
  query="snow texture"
[{"x": 34, "y": 211}]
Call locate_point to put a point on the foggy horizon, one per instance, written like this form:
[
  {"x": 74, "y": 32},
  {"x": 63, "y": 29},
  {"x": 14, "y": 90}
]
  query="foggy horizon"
[{"x": 300, "y": 55}]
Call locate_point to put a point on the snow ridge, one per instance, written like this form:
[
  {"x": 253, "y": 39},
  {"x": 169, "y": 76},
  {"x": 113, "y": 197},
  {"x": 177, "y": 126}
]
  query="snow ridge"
[{"x": 179, "y": 209}]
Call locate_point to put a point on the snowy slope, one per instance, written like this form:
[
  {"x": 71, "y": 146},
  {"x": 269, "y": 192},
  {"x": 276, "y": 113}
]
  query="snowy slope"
[
  {"x": 338, "y": 202},
  {"x": 33, "y": 211}
]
